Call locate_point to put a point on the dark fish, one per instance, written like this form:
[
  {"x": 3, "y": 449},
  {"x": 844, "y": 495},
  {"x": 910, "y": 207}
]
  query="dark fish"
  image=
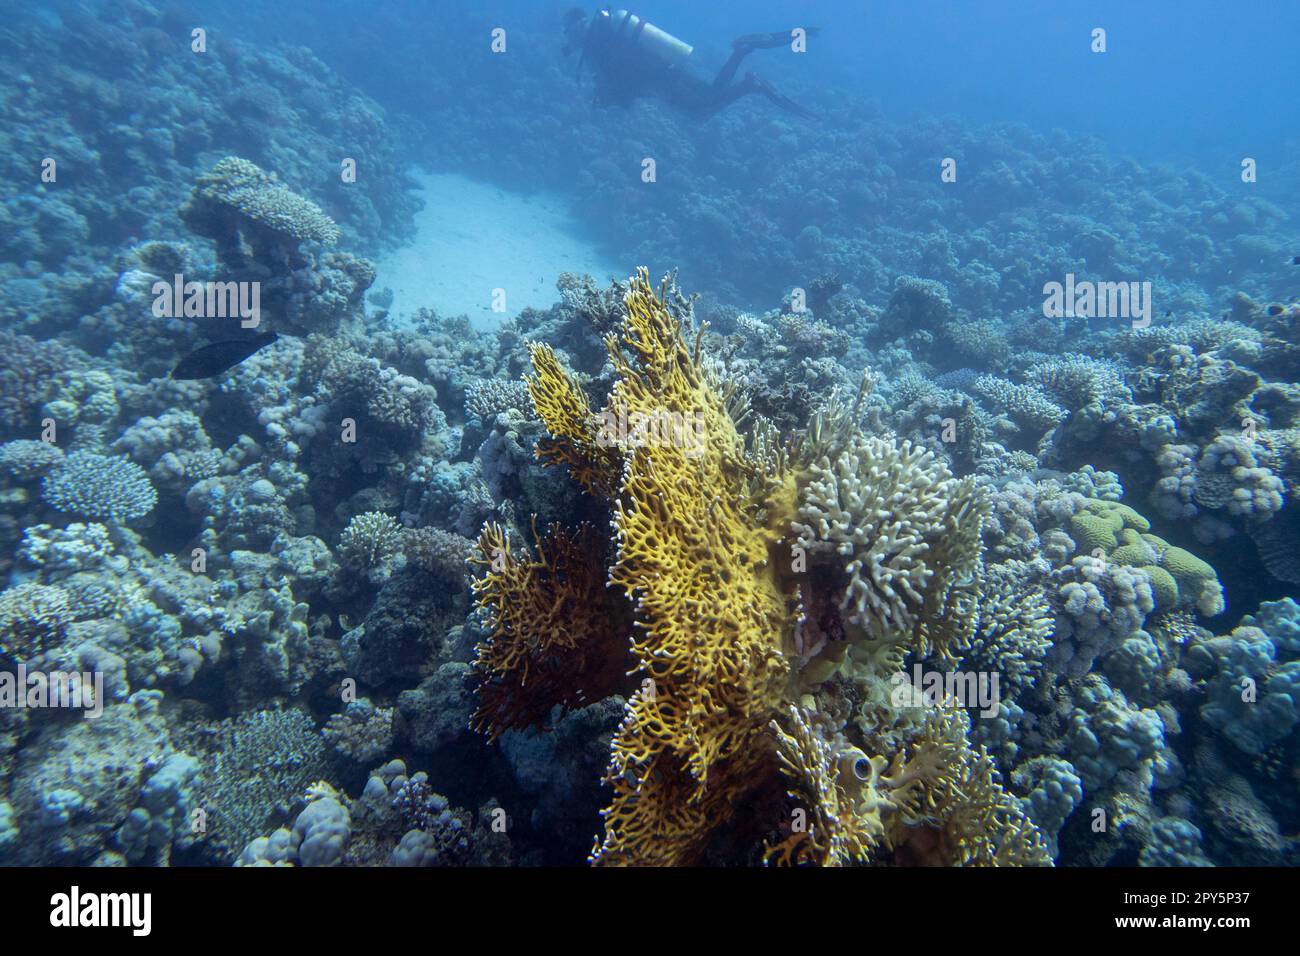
[
  {"x": 1295, "y": 261},
  {"x": 219, "y": 356}
]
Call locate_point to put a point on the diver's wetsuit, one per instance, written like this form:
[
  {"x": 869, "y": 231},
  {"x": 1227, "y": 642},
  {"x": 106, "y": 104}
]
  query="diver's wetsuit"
[{"x": 630, "y": 60}]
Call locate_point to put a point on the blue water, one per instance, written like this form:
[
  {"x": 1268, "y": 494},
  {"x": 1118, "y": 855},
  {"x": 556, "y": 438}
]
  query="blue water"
[{"x": 1180, "y": 80}]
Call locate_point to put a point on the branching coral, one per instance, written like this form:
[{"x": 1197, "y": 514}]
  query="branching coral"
[
  {"x": 443, "y": 554},
  {"x": 1026, "y": 404},
  {"x": 370, "y": 539},
  {"x": 911, "y": 533},
  {"x": 260, "y": 760},
  {"x": 1079, "y": 380},
  {"x": 392, "y": 411},
  {"x": 29, "y": 374},
  {"x": 485, "y": 399},
  {"x": 575, "y": 440},
  {"x": 361, "y": 732},
  {"x": 557, "y": 637},
  {"x": 27, "y": 458},
  {"x": 1014, "y": 629},
  {"x": 711, "y": 541},
  {"x": 32, "y": 617}
]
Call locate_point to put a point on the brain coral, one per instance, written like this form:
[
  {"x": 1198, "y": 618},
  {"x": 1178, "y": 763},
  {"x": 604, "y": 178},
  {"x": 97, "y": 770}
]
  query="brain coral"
[
  {"x": 100, "y": 486},
  {"x": 1111, "y": 531}
]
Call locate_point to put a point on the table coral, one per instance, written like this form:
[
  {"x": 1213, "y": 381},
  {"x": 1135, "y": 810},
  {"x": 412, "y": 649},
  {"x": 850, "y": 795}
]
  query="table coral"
[{"x": 237, "y": 192}]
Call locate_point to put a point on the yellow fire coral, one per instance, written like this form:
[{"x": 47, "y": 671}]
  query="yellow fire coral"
[
  {"x": 839, "y": 818},
  {"x": 733, "y": 641},
  {"x": 556, "y": 636},
  {"x": 937, "y": 802},
  {"x": 576, "y": 439},
  {"x": 712, "y": 613},
  {"x": 953, "y": 810}
]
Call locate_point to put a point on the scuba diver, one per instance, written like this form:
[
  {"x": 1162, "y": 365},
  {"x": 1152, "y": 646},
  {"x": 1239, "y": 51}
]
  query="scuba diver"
[{"x": 631, "y": 58}]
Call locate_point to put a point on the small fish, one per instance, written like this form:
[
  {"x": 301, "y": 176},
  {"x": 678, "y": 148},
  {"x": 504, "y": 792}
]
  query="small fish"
[
  {"x": 216, "y": 358},
  {"x": 1295, "y": 260}
]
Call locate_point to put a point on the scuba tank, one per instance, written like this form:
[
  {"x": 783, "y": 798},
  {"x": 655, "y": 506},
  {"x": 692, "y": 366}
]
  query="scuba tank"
[{"x": 622, "y": 26}]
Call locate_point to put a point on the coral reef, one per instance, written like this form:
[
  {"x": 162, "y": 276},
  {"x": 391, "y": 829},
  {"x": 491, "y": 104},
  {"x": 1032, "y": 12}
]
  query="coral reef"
[
  {"x": 639, "y": 577},
  {"x": 704, "y": 531}
]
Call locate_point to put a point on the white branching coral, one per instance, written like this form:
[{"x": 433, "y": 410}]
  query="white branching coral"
[
  {"x": 370, "y": 539},
  {"x": 909, "y": 533},
  {"x": 485, "y": 399},
  {"x": 1027, "y": 405},
  {"x": 1015, "y": 627},
  {"x": 100, "y": 486}
]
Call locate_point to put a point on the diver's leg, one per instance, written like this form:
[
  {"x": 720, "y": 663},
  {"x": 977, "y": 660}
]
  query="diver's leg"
[
  {"x": 719, "y": 99},
  {"x": 741, "y": 47},
  {"x": 765, "y": 41},
  {"x": 728, "y": 71},
  {"x": 755, "y": 84}
]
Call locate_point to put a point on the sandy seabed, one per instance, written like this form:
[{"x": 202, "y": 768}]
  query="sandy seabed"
[{"x": 473, "y": 238}]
